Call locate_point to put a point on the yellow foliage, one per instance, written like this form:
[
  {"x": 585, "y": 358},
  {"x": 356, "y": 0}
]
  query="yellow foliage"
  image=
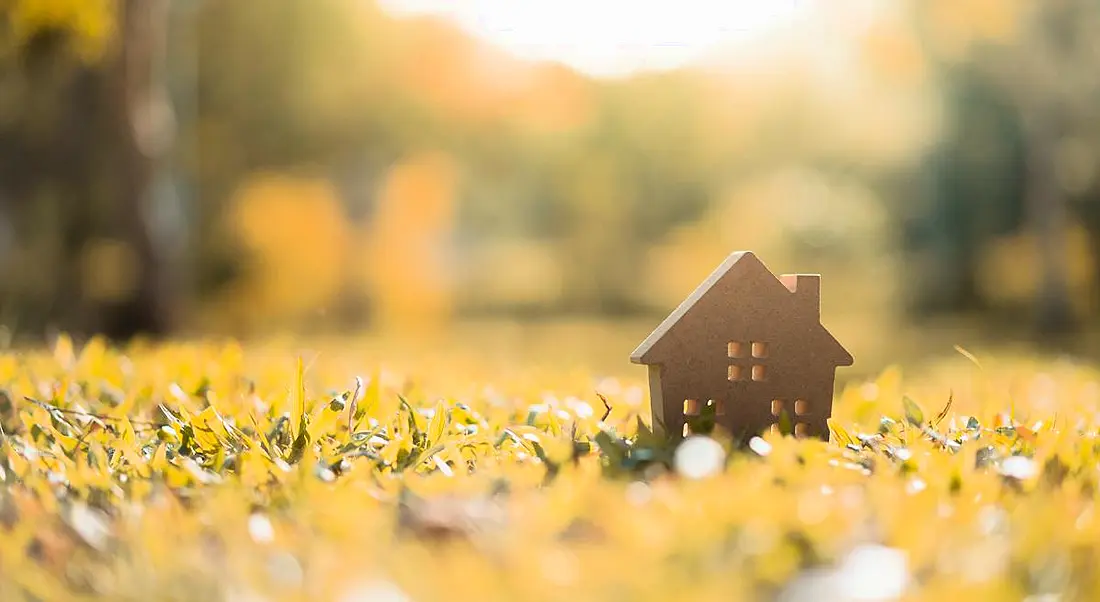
[
  {"x": 91, "y": 22},
  {"x": 956, "y": 24},
  {"x": 1010, "y": 269},
  {"x": 296, "y": 241},
  {"x": 110, "y": 270},
  {"x": 407, "y": 268},
  {"x": 554, "y": 100},
  {"x": 520, "y": 491},
  {"x": 892, "y": 52},
  {"x": 765, "y": 213}
]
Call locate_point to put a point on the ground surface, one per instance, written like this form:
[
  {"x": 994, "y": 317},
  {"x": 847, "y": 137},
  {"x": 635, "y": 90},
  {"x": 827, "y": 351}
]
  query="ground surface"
[{"x": 209, "y": 471}]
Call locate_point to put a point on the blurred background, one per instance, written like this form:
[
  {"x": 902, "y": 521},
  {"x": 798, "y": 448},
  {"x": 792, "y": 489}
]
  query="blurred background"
[{"x": 250, "y": 167}]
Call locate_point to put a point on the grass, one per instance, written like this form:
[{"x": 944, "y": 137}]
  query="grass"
[{"x": 208, "y": 471}]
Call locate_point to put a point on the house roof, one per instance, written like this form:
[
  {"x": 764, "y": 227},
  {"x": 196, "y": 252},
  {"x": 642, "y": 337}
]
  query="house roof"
[{"x": 835, "y": 351}]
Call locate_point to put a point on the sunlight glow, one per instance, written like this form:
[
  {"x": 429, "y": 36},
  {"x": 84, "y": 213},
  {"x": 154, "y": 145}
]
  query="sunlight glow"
[{"x": 612, "y": 37}]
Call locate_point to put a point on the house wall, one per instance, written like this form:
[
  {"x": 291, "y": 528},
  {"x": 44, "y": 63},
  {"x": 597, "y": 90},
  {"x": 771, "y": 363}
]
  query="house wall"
[{"x": 792, "y": 370}]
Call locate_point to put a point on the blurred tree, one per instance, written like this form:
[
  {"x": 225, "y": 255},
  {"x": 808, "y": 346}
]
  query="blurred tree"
[
  {"x": 84, "y": 123},
  {"x": 286, "y": 85},
  {"x": 321, "y": 126},
  {"x": 295, "y": 242},
  {"x": 1036, "y": 66},
  {"x": 410, "y": 265},
  {"x": 972, "y": 189},
  {"x": 592, "y": 169}
]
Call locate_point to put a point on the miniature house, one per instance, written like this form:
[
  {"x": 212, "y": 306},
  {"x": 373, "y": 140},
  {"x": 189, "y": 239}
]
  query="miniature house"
[{"x": 749, "y": 345}]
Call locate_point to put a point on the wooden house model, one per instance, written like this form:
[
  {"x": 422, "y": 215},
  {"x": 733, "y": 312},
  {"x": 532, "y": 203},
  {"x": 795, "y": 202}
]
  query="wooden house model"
[{"x": 750, "y": 347}]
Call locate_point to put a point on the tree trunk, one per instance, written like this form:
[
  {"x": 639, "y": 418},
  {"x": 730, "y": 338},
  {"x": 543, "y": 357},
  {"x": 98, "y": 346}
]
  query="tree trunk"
[
  {"x": 141, "y": 128},
  {"x": 1048, "y": 217}
]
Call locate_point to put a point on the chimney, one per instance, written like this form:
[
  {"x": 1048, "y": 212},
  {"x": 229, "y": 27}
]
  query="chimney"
[{"x": 807, "y": 292}]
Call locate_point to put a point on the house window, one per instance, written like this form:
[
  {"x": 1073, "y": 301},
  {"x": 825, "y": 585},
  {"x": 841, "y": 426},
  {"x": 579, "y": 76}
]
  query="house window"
[
  {"x": 779, "y": 408},
  {"x": 752, "y": 368},
  {"x": 693, "y": 408}
]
